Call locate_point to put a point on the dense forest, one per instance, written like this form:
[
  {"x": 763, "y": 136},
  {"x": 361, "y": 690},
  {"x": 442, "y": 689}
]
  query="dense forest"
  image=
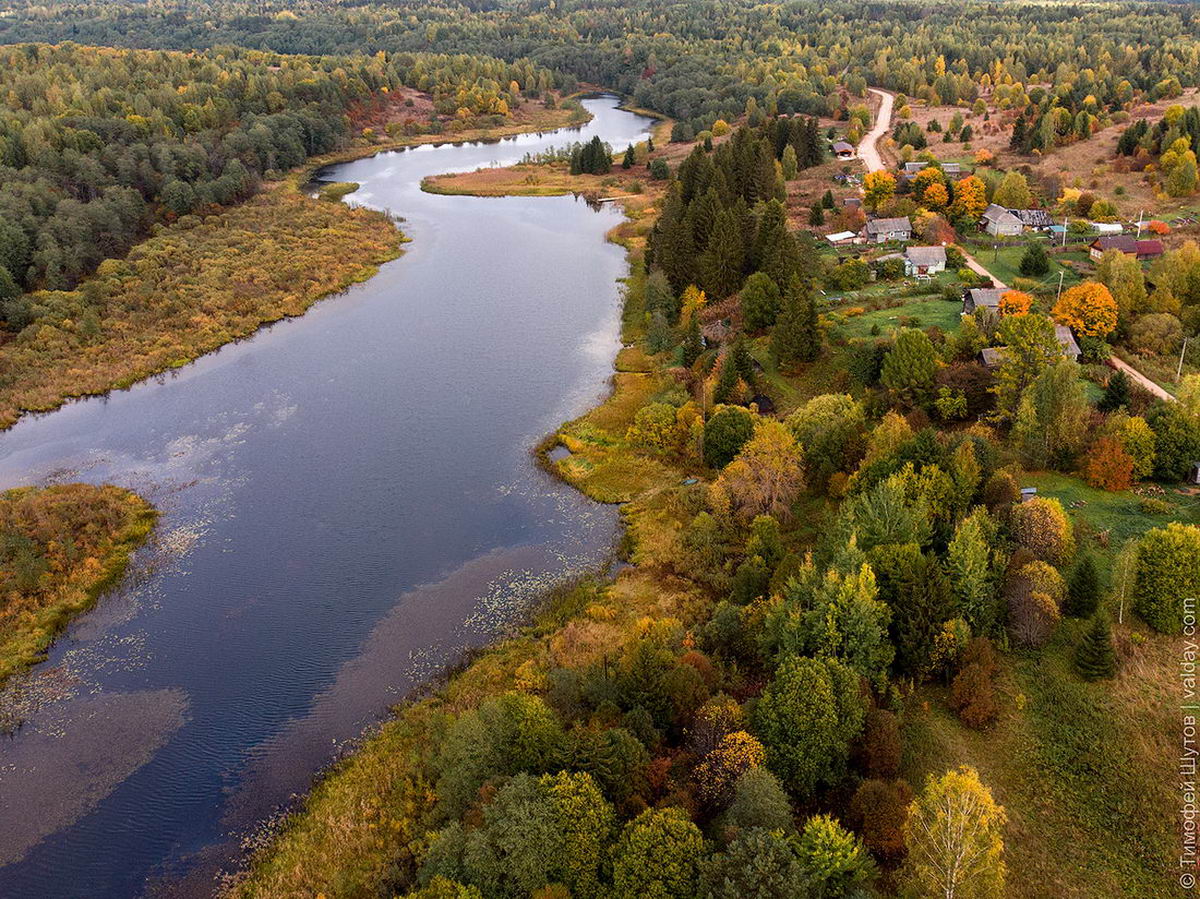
[
  {"x": 702, "y": 61},
  {"x": 97, "y": 145}
]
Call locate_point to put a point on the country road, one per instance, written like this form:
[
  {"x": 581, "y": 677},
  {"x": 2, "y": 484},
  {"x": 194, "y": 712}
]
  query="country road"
[
  {"x": 1140, "y": 379},
  {"x": 868, "y": 149}
]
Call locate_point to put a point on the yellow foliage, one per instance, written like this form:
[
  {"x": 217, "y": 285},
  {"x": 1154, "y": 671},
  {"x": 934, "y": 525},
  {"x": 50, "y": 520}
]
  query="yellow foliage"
[
  {"x": 1088, "y": 308},
  {"x": 1015, "y": 302}
]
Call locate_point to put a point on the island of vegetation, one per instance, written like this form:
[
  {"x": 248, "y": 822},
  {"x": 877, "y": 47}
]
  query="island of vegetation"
[
  {"x": 61, "y": 547},
  {"x": 906, "y": 435}
]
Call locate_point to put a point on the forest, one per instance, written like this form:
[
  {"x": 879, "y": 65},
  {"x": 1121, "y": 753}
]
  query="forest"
[{"x": 903, "y": 572}]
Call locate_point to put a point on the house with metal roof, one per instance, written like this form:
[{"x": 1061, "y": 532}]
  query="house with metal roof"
[
  {"x": 982, "y": 298},
  {"x": 1123, "y": 243},
  {"x": 924, "y": 261},
  {"x": 883, "y": 230},
  {"x": 1001, "y": 222}
]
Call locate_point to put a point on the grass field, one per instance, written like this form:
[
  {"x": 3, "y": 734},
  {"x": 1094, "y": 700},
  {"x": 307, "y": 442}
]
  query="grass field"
[{"x": 918, "y": 312}]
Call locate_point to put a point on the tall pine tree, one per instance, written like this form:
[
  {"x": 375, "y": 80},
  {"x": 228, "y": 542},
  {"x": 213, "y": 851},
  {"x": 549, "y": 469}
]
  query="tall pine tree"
[
  {"x": 1095, "y": 657},
  {"x": 796, "y": 338},
  {"x": 1083, "y": 588}
]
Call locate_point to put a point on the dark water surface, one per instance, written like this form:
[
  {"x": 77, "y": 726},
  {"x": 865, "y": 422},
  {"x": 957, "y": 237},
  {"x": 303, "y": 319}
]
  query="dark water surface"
[{"x": 348, "y": 501}]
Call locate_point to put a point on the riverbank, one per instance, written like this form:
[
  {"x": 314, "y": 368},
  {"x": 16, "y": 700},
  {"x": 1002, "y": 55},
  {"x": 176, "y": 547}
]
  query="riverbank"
[
  {"x": 195, "y": 286},
  {"x": 64, "y": 546},
  {"x": 200, "y": 283}
]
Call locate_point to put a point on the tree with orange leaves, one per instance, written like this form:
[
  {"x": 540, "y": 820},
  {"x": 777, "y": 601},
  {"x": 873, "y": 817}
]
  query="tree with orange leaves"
[
  {"x": 1015, "y": 302},
  {"x": 936, "y": 196},
  {"x": 1088, "y": 309},
  {"x": 970, "y": 199}
]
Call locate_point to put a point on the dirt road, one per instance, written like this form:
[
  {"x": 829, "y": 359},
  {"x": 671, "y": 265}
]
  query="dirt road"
[{"x": 868, "y": 151}]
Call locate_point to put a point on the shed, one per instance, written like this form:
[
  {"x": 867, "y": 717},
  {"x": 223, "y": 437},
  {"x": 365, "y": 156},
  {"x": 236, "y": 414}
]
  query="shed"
[
  {"x": 982, "y": 297},
  {"x": 1149, "y": 249},
  {"x": 1194, "y": 474},
  {"x": 843, "y": 150},
  {"x": 1067, "y": 341},
  {"x": 1034, "y": 219},
  {"x": 992, "y": 357},
  {"x": 1028, "y": 493},
  {"x": 1106, "y": 227},
  {"x": 852, "y": 202},
  {"x": 841, "y": 237}
]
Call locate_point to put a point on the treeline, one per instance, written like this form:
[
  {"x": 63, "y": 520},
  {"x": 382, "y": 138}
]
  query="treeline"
[
  {"x": 698, "y": 62},
  {"x": 96, "y": 145}
]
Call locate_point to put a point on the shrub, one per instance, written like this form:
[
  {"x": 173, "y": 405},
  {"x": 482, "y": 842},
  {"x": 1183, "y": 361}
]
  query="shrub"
[
  {"x": 878, "y": 812},
  {"x": 973, "y": 696}
]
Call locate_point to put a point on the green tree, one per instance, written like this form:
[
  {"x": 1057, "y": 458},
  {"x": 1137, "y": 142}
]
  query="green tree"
[
  {"x": 1176, "y": 441},
  {"x": 1031, "y": 346},
  {"x": 955, "y": 839},
  {"x": 727, "y": 430},
  {"x": 835, "y": 862},
  {"x": 1116, "y": 393},
  {"x": 910, "y": 365},
  {"x": 775, "y": 250},
  {"x": 1083, "y": 588},
  {"x": 761, "y": 301},
  {"x": 759, "y": 800},
  {"x": 758, "y": 864},
  {"x": 807, "y": 718},
  {"x": 1013, "y": 192},
  {"x": 693, "y": 342},
  {"x": 912, "y": 584},
  {"x": 789, "y": 163},
  {"x": 831, "y": 428},
  {"x": 1095, "y": 657},
  {"x": 630, "y": 158},
  {"x": 1053, "y": 418},
  {"x": 1034, "y": 261},
  {"x": 659, "y": 856},
  {"x": 1167, "y": 574},
  {"x": 971, "y": 571},
  {"x": 722, "y": 262},
  {"x": 796, "y": 337}
]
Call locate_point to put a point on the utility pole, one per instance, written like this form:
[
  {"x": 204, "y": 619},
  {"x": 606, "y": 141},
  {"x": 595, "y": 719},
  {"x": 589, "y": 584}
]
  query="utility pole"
[
  {"x": 1064, "y": 240},
  {"x": 1060, "y": 282},
  {"x": 1182, "y": 353},
  {"x": 1141, "y": 215}
]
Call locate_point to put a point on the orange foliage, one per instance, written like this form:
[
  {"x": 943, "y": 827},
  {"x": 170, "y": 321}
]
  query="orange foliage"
[
  {"x": 1088, "y": 308},
  {"x": 1109, "y": 467},
  {"x": 1015, "y": 302}
]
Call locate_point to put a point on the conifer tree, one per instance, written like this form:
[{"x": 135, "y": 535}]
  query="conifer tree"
[
  {"x": 827, "y": 200},
  {"x": 727, "y": 378},
  {"x": 1083, "y": 588},
  {"x": 693, "y": 342},
  {"x": 673, "y": 248},
  {"x": 775, "y": 249},
  {"x": 1095, "y": 657},
  {"x": 816, "y": 215},
  {"x": 722, "y": 262},
  {"x": 1116, "y": 393},
  {"x": 630, "y": 158},
  {"x": 796, "y": 338}
]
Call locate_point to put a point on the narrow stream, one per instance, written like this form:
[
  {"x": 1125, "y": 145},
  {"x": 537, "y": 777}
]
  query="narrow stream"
[{"x": 349, "y": 502}]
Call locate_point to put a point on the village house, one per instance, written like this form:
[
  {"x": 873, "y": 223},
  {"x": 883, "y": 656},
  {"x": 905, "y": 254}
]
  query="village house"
[
  {"x": 843, "y": 150},
  {"x": 924, "y": 261},
  {"x": 949, "y": 169},
  {"x": 993, "y": 357},
  {"x": 982, "y": 298},
  {"x": 1124, "y": 243},
  {"x": 852, "y": 202},
  {"x": 1000, "y": 222},
  {"x": 883, "y": 230},
  {"x": 1034, "y": 219}
]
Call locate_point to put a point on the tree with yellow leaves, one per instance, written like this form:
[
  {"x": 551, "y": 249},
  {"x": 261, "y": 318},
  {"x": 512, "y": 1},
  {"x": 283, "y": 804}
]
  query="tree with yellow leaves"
[
  {"x": 878, "y": 187},
  {"x": 970, "y": 199},
  {"x": 1088, "y": 309},
  {"x": 717, "y": 773},
  {"x": 765, "y": 476},
  {"x": 691, "y": 301},
  {"x": 1015, "y": 302},
  {"x": 955, "y": 840}
]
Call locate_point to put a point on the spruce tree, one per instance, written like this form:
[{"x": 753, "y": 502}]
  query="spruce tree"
[
  {"x": 827, "y": 200},
  {"x": 726, "y": 381},
  {"x": 1083, "y": 589},
  {"x": 1034, "y": 261},
  {"x": 1116, "y": 393},
  {"x": 722, "y": 262},
  {"x": 796, "y": 338},
  {"x": 693, "y": 342},
  {"x": 775, "y": 250},
  {"x": 1095, "y": 657},
  {"x": 816, "y": 215},
  {"x": 630, "y": 158}
]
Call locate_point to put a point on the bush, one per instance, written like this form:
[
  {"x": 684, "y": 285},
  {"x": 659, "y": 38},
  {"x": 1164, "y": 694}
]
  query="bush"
[
  {"x": 1167, "y": 574},
  {"x": 1108, "y": 466},
  {"x": 878, "y": 812},
  {"x": 973, "y": 696},
  {"x": 878, "y": 752}
]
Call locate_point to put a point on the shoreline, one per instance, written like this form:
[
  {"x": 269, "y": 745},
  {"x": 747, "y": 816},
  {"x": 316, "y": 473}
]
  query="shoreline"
[{"x": 278, "y": 192}]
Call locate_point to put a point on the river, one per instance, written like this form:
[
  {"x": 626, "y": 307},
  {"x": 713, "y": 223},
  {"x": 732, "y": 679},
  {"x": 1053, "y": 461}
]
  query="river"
[{"x": 348, "y": 501}]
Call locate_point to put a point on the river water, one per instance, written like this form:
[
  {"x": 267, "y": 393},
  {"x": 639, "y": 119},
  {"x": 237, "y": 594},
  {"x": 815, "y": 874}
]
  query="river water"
[{"x": 348, "y": 501}]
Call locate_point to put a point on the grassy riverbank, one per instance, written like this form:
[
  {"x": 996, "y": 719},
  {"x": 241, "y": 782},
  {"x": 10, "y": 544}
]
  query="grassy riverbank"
[
  {"x": 60, "y": 548},
  {"x": 196, "y": 285}
]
